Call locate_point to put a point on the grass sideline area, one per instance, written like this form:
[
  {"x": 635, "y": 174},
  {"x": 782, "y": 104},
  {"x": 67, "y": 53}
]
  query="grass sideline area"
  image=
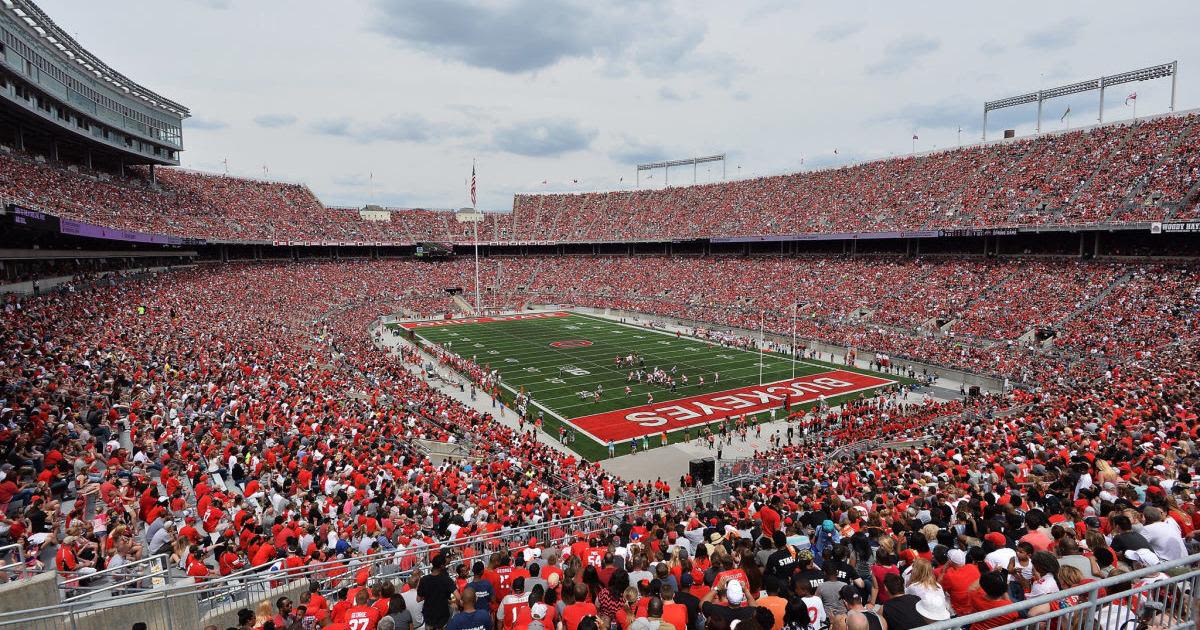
[{"x": 555, "y": 356}]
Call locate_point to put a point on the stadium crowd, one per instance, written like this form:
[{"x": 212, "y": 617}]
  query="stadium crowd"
[
  {"x": 1126, "y": 172},
  {"x": 1146, "y": 171},
  {"x": 142, "y": 418},
  {"x": 982, "y": 316},
  {"x": 241, "y": 416}
]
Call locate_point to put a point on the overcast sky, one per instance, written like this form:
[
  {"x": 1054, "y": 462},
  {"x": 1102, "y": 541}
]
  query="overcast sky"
[{"x": 326, "y": 93}]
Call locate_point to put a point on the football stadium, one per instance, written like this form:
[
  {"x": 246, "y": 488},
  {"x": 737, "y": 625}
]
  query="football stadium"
[{"x": 514, "y": 315}]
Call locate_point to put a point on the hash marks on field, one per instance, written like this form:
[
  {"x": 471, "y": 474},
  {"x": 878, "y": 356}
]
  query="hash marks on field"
[{"x": 526, "y": 345}]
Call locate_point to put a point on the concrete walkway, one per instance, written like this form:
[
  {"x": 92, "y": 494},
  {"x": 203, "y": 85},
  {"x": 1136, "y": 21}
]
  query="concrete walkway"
[{"x": 671, "y": 461}]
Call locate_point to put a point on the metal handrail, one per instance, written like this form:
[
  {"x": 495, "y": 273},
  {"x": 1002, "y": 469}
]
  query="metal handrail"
[
  {"x": 158, "y": 568},
  {"x": 1090, "y": 589},
  {"x": 19, "y": 565}
]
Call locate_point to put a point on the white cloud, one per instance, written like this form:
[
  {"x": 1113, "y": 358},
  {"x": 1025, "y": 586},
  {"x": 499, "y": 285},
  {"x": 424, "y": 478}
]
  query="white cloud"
[{"x": 533, "y": 90}]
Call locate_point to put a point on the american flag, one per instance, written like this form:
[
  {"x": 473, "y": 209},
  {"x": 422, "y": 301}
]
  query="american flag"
[
  {"x": 1132, "y": 97},
  {"x": 472, "y": 183}
]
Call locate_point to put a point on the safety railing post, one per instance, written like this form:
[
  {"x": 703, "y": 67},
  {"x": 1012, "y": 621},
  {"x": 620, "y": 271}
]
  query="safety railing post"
[{"x": 166, "y": 610}]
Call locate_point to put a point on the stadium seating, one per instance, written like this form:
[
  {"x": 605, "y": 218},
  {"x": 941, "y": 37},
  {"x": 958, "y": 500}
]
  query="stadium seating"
[
  {"x": 135, "y": 393},
  {"x": 249, "y": 401},
  {"x": 1116, "y": 173}
]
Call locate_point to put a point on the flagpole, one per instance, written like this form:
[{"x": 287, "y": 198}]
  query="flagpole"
[
  {"x": 793, "y": 339},
  {"x": 475, "y": 223},
  {"x": 761, "y": 316}
]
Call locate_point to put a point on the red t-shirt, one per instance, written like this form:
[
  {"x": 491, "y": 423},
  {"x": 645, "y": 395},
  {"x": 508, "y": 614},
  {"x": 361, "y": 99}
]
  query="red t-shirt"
[
  {"x": 594, "y": 556},
  {"x": 524, "y": 616},
  {"x": 979, "y": 603},
  {"x": 1040, "y": 541},
  {"x": 514, "y": 613},
  {"x": 676, "y": 615},
  {"x": 503, "y": 582},
  {"x": 575, "y": 613},
  {"x": 338, "y": 613},
  {"x": 770, "y": 520},
  {"x": 362, "y": 618},
  {"x": 956, "y": 581}
]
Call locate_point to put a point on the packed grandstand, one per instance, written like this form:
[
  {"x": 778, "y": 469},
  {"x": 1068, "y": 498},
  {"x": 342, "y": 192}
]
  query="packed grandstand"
[
  {"x": 1122, "y": 173},
  {"x": 216, "y": 409}
]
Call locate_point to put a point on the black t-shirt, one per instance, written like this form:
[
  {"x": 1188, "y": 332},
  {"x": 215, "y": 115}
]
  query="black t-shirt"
[
  {"x": 728, "y": 614},
  {"x": 692, "y": 603},
  {"x": 845, "y": 572},
  {"x": 814, "y": 577},
  {"x": 1129, "y": 540},
  {"x": 37, "y": 522},
  {"x": 435, "y": 589},
  {"x": 781, "y": 564},
  {"x": 900, "y": 613}
]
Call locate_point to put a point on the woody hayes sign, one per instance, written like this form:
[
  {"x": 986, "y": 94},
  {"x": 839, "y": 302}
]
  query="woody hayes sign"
[{"x": 699, "y": 410}]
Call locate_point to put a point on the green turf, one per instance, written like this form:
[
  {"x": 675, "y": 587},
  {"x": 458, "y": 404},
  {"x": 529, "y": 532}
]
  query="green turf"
[{"x": 521, "y": 351}]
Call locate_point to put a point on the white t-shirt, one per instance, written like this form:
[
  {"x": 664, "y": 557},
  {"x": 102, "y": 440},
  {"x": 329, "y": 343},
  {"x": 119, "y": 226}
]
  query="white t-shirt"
[
  {"x": 1000, "y": 558},
  {"x": 816, "y": 612},
  {"x": 1165, "y": 539},
  {"x": 1043, "y": 586}
]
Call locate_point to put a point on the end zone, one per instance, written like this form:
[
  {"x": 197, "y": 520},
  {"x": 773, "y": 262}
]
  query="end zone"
[
  {"x": 679, "y": 414},
  {"x": 479, "y": 320}
]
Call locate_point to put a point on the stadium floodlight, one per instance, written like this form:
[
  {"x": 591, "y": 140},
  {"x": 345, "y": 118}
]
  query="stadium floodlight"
[
  {"x": 1159, "y": 71},
  {"x": 666, "y": 166}
]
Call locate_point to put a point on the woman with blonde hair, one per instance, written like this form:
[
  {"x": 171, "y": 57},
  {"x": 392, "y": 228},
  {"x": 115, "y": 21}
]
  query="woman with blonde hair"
[
  {"x": 262, "y": 614},
  {"x": 922, "y": 582}
]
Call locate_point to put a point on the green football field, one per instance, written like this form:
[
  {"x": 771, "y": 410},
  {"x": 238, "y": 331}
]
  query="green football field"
[{"x": 560, "y": 359}]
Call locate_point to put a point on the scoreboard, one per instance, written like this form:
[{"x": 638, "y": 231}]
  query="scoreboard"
[{"x": 17, "y": 216}]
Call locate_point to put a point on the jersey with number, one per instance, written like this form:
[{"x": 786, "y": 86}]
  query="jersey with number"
[
  {"x": 594, "y": 556},
  {"x": 505, "y": 585},
  {"x": 514, "y": 612},
  {"x": 362, "y": 618}
]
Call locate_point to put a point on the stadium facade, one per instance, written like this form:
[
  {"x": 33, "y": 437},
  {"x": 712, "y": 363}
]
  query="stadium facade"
[{"x": 62, "y": 101}]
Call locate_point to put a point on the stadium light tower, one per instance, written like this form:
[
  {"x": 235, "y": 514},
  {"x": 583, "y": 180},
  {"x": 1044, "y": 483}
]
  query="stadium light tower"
[
  {"x": 473, "y": 216},
  {"x": 1162, "y": 70},
  {"x": 666, "y": 166}
]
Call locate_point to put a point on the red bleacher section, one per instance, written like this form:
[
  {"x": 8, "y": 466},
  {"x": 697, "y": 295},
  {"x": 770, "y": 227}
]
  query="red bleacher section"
[{"x": 1117, "y": 173}]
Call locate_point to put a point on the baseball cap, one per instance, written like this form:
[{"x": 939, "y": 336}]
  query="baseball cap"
[
  {"x": 1144, "y": 556},
  {"x": 734, "y": 593}
]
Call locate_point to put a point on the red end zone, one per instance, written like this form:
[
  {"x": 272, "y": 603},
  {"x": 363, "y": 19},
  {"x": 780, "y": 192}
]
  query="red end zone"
[
  {"x": 705, "y": 408},
  {"x": 479, "y": 320}
]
